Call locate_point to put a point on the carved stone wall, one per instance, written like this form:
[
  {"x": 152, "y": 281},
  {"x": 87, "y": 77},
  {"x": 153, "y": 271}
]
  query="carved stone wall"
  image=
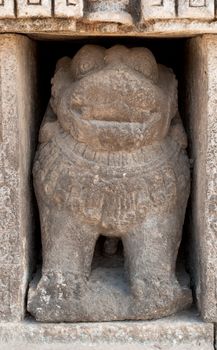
[
  {"x": 201, "y": 89},
  {"x": 17, "y": 75},
  {"x": 65, "y": 19}
]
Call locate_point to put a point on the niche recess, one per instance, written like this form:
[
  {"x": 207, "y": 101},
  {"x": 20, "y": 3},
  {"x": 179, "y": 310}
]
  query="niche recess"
[{"x": 169, "y": 52}]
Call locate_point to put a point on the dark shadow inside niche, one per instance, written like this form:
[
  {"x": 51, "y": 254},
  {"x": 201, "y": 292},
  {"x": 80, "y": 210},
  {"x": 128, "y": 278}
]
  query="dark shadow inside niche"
[
  {"x": 108, "y": 253},
  {"x": 169, "y": 52}
]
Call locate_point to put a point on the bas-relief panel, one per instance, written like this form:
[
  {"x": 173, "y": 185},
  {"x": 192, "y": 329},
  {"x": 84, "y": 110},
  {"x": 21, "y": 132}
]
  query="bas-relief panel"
[{"x": 108, "y": 11}]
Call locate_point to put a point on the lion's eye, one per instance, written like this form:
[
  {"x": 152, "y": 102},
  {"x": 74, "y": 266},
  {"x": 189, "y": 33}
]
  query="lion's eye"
[
  {"x": 142, "y": 61},
  {"x": 143, "y": 67},
  {"x": 140, "y": 68},
  {"x": 89, "y": 58},
  {"x": 86, "y": 67}
]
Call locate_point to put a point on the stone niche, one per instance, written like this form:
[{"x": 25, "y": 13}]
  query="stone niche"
[
  {"x": 27, "y": 66},
  {"x": 111, "y": 176}
]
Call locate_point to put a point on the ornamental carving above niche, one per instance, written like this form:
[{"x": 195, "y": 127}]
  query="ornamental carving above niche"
[
  {"x": 111, "y": 162},
  {"x": 127, "y": 12}
]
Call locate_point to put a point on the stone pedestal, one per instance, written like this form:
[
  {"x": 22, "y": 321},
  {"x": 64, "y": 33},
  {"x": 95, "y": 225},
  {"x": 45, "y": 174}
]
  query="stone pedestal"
[
  {"x": 201, "y": 105},
  {"x": 17, "y": 127},
  {"x": 181, "y": 332}
]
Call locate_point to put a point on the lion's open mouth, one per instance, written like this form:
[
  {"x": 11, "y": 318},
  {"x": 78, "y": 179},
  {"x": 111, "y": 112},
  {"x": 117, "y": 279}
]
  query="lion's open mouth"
[
  {"x": 116, "y": 112},
  {"x": 114, "y": 135},
  {"x": 101, "y": 121}
]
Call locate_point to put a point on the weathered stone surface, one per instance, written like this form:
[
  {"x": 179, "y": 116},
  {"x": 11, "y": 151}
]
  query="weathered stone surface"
[
  {"x": 105, "y": 347},
  {"x": 34, "y": 8},
  {"x": 124, "y": 16},
  {"x": 66, "y": 17},
  {"x": 157, "y": 9},
  {"x": 196, "y": 9},
  {"x": 201, "y": 92},
  {"x": 111, "y": 162},
  {"x": 60, "y": 28},
  {"x": 7, "y": 9},
  {"x": 68, "y": 8},
  {"x": 182, "y": 332},
  {"x": 215, "y": 336},
  {"x": 109, "y": 11},
  {"x": 17, "y": 79}
]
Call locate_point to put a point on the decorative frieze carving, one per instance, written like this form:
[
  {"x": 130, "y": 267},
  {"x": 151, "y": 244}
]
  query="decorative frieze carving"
[
  {"x": 119, "y": 11},
  {"x": 68, "y": 8},
  {"x": 196, "y": 9},
  {"x": 7, "y": 9},
  {"x": 157, "y": 9},
  {"x": 109, "y": 11},
  {"x": 34, "y": 8}
]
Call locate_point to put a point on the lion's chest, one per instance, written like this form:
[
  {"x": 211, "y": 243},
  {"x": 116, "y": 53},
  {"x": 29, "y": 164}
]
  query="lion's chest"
[
  {"x": 108, "y": 196},
  {"x": 126, "y": 199}
]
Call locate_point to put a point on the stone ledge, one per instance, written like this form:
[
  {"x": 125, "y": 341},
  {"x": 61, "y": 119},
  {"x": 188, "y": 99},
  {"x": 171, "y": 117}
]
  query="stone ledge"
[
  {"x": 184, "y": 331},
  {"x": 65, "y": 28}
]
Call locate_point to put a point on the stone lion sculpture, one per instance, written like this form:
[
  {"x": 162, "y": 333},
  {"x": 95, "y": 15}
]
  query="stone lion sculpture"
[{"x": 111, "y": 161}]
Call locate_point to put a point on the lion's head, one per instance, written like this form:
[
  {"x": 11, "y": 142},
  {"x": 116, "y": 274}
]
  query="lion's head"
[{"x": 114, "y": 99}]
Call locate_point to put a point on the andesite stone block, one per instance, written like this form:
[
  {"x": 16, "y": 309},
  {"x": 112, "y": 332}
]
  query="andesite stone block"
[
  {"x": 17, "y": 104},
  {"x": 157, "y": 9},
  {"x": 196, "y": 9},
  {"x": 68, "y": 8},
  {"x": 201, "y": 103},
  {"x": 34, "y": 8},
  {"x": 7, "y": 9},
  {"x": 184, "y": 331}
]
